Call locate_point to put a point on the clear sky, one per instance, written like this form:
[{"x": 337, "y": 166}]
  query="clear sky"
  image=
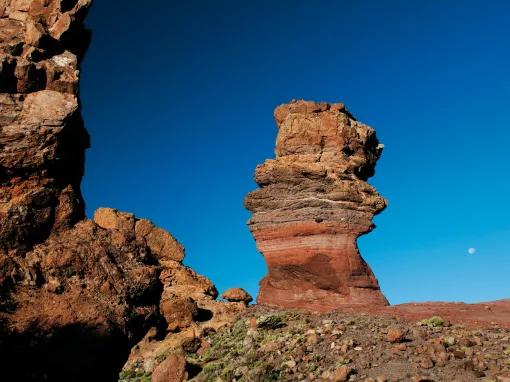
[{"x": 178, "y": 97}]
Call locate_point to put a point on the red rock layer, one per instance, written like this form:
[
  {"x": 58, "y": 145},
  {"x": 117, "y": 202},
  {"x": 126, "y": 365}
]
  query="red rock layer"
[{"x": 314, "y": 202}]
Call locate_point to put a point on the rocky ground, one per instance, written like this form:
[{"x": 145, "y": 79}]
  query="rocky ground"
[{"x": 271, "y": 345}]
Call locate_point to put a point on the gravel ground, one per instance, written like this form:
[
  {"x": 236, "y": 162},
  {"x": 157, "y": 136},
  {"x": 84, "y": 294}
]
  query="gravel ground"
[{"x": 268, "y": 345}]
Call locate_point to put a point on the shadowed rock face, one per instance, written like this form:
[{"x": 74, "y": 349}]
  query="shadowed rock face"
[
  {"x": 77, "y": 295},
  {"x": 312, "y": 205},
  {"x": 42, "y": 138}
]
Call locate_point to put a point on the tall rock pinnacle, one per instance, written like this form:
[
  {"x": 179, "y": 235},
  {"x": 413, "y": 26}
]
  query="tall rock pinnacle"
[{"x": 312, "y": 205}]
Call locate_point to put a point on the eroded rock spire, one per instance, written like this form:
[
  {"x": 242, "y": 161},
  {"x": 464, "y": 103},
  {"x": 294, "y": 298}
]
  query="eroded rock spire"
[{"x": 312, "y": 205}]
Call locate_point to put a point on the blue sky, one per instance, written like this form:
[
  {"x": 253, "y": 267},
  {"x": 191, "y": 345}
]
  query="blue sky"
[{"x": 178, "y": 97}]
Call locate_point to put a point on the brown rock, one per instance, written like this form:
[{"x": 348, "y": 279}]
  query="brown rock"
[
  {"x": 172, "y": 369},
  {"x": 179, "y": 312},
  {"x": 421, "y": 379},
  {"x": 77, "y": 297},
  {"x": 395, "y": 335},
  {"x": 164, "y": 245},
  {"x": 425, "y": 362},
  {"x": 312, "y": 206},
  {"x": 237, "y": 295},
  {"x": 342, "y": 373},
  {"x": 400, "y": 347}
]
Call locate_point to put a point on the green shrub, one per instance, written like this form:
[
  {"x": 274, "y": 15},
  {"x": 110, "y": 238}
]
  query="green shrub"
[
  {"x": 272, "y": 321},
  {"x": 433, "y": 322}
]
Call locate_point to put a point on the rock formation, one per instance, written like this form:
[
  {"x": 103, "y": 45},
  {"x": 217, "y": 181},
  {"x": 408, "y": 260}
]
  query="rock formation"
[
  {"x": 237, "y": 295},
  {"x": 76, "y": 295},
  {"x": 312, "y": 205},
  {"x": 42, "y": 138}
]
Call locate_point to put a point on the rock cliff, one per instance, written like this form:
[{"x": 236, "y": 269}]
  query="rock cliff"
[
  {"x": 312, "y": 205},
  {"x": 77, "y": 295},
  {"x": 42, "y": 138}
]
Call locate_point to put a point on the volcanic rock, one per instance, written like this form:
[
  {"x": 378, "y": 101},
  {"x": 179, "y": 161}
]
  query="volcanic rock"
[
  {"x": 237, "y": 295},
  {"x": 42, "y": 137},
  {"x": 76, "y": 295},
  {"x": 172, "y": 369},
  {"x": 312, "y": 205}
]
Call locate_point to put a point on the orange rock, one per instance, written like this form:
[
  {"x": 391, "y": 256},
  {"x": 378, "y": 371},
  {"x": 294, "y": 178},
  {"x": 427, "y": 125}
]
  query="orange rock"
[
  {"x": 342, "y": 373},
  {"x": 172, "y": 369},
  {"x": 237, "y": 295},
  {"x": 313, "y": 204},
  {"x": 164, "y": 245},
  {"x": 179, "y": 312},
  {"x": 395, "y": 335}
]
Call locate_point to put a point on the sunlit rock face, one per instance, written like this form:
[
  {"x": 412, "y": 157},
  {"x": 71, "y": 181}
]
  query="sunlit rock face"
[{"x": 312, "y": 205}]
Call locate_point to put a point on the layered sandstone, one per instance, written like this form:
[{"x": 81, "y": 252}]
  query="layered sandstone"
[
  {"x": 79, "y": 298},
  {"x": 312, "y": 205}
]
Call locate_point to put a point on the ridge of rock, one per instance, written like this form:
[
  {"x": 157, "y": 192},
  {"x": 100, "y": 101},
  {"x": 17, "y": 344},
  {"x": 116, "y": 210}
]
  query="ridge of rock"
[{"x": 312, "y": 205}]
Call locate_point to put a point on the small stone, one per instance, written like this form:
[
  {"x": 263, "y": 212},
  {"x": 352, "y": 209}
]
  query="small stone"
[
  {"x": 426, "y": 363},
  {"x": 400, "y": 347},
  {"x": 440, "y": 359},
  {"x": 54, "y": 286},
  {"x": 395, "y": 335},
  {"x": 311, "y": 337},
  {"x": 459, "y": 354},
  {"x": 449, "y": 341},
  {"x": 342, "y": 373},
  {"x": 421, "y": 379}
]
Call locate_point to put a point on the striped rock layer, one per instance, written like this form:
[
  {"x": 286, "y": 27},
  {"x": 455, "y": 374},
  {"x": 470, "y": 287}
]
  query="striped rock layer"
[{"x": 312, "y": 205}]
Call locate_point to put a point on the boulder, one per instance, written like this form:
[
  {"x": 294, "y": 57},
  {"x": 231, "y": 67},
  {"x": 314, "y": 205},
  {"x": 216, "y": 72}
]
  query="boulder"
[
  {"x": 172, "y": 369},
  {"x": 237, "y": 295}
]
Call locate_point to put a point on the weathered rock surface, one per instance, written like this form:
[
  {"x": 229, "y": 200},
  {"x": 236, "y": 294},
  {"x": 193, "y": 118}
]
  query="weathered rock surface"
[
  {"x": 314, "y": 202},
  {"x": 76, "y": 295},
  {"x": 237, "y": 295},
  {"x": 172, "y": 369},
  {"x": 42, "y": 138}
]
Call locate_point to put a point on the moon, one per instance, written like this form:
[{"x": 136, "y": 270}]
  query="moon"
[{"x": 471, "y": 251}]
